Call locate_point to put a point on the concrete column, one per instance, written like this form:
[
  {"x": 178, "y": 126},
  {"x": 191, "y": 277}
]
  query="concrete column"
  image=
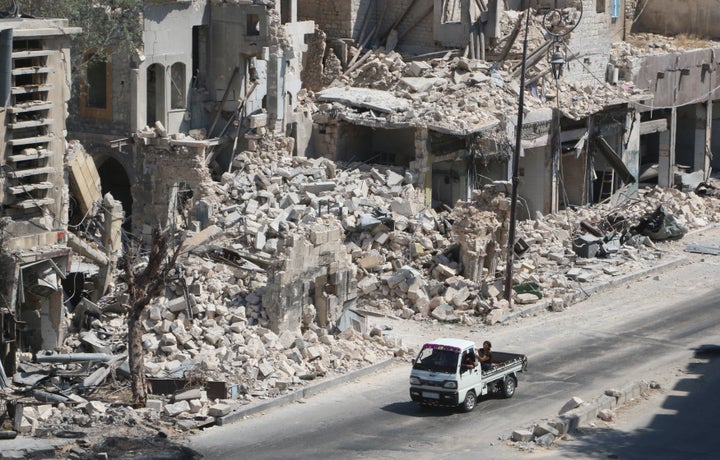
[
  {"x": 276, "y": 91},
  {"x": 666, "y": 161},
  {"x": 555, "y": 154},
  {"x": 423, "y": 163},
  {"x": 631, "y": 153},
  {"x": 112, "y": 241},
  {"x": 707, "y": 154},
  {"x": 700, "y": 145},
  {"x": 138, "y": 99}
]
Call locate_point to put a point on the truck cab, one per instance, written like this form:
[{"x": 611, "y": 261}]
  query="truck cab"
[{"x": 447, "y": 373}]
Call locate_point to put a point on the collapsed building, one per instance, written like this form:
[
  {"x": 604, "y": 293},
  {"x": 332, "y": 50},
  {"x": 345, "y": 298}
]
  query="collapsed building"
[
  {"x": 34, "y": 90},
  {"x": 327, "y": 160}
]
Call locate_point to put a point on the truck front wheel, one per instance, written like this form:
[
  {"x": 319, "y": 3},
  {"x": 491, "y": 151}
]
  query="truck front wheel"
[
  {"x": 509, "y": 387},
  {"x": 469, "y": 402}
]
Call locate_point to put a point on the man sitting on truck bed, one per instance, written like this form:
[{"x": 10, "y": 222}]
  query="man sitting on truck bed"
[{"x": 485, "y": 356}]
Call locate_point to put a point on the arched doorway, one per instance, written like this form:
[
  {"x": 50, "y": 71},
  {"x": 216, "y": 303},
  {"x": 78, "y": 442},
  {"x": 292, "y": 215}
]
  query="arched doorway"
[
  {"x": 114, "y": 179},
  {"x": 155, "y": 94}
]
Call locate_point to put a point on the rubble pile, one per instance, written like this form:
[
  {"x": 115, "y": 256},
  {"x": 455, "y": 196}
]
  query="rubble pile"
[
  {"x": 553, "y": 263},
  {"x": 459, "y": 94},
  {"x": 212, "y": 324}
]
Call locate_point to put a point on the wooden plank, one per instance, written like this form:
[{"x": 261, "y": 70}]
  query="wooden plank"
[
  {"x": 615, "y": 160},
  {"x": 84, "y": 181},
  {"x": 511, "y": 38}
]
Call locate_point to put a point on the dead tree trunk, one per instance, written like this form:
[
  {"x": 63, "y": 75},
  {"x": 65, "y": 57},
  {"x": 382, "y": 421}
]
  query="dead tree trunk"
[
  {"x": 144, "y": 285},
  {"x": 136, "y": 360}
]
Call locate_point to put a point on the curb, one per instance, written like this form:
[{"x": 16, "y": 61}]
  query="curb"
[
  {"x": 582, "y": 415},
  {"x": 300, "y": 393},
  {"x": 584, "y": 292}
]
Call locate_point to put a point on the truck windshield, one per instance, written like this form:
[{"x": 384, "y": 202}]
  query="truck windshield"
[{"x": 437, "y": 359}]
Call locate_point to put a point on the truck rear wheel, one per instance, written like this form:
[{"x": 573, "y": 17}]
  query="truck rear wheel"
[
  {"x": 470, "y": 401},
  {"x": 509, "y": 387}
]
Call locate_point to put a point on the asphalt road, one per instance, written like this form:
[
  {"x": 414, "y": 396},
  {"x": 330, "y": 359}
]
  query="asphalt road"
[{"x": 624, "y": 334}]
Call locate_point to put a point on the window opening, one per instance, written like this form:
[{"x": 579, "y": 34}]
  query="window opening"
[{"x": 177, "y": 83}]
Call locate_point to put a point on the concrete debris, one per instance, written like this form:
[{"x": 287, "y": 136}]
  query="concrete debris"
[
  {"x": 287, "y": 256},
  {"x": 260, "y": 296},
  {"x": 573, "y": 403}
]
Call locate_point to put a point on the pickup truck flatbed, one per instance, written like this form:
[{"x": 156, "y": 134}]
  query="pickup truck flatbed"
[{"x": 439, "y": 378}]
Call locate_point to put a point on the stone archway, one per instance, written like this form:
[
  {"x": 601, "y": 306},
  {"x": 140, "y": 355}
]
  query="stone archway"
[{"x": 115, "y": 180}]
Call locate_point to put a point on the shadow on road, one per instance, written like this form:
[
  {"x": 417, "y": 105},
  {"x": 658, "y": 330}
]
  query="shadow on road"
[
  {"x": 685, "y": 427},
  {"x": 416, "y": 410}
]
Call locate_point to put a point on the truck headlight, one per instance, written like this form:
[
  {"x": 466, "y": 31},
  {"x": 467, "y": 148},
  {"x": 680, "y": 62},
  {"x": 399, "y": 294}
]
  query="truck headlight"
[
  {"x": 414, "y": 381},
  {"x": 450, "y": 384}
]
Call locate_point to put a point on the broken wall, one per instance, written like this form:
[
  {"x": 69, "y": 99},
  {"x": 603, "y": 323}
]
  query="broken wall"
[
  {"x": 697, "y": 18},
  {"x": 675, "y": 79},
  {"x": 369, "y": 22},
  {"x": 161, "y": 168},
  {"x": 314, "y": 269}
]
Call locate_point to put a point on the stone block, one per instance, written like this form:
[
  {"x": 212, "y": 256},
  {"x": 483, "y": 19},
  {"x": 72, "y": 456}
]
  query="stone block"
[
  {"x": 155, "y": 404},
  {"x": 219, "y": 410},
  {"x": 95, "y": 408},
  {"x": 265, "y": 370},
  {"x": 188, "y": 395},
  {"x": 313, "y": 352},
  {"x": 443, "y": 312},
  {"x": 573, "y": 403},
  {"x": 522, "y": 436},
  {"x": 545, "y": 440},
  {"x": 318, "y": 187},
  {"x": 177, "y": 408},
  {"x": 195, "y": 406},
  {"x": 442, "y": 272},
  {"x": 494, "y": 316},
  {"x": 368, "y": 284},
  {"x": 526, "y": 298},
  {"x": 545, "y": 428},
  {"x": 177, "y": 304},
  {"x": 372, "y": 260},
  {"x": 417, "y": 68}
]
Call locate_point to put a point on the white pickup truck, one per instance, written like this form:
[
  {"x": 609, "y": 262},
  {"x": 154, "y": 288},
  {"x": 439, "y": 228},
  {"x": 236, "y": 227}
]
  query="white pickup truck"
[{"x": 440, "y": 378}]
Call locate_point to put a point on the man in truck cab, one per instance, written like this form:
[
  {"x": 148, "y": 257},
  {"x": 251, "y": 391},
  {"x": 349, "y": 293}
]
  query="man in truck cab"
[{"x": 468, "y": 361}]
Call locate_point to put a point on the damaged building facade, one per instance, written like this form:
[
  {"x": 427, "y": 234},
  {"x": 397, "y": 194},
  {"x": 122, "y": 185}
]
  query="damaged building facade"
[
  {"x": 679, "y": 128},
  {"x": 34, "y": 256},
  {"x": 447, "y": 117},
  {"x": 210, "y": 78}
]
